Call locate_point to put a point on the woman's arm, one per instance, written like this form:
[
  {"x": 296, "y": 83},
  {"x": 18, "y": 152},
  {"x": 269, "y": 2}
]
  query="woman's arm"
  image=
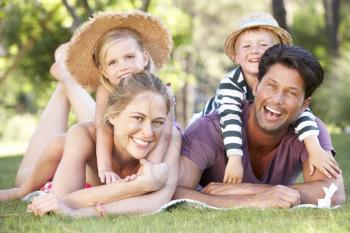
[
  {"x": 153, "y": 178},
  {"x": 152, "y": 201}
]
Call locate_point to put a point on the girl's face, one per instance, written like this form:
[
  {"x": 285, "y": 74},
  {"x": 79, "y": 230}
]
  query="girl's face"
[
  {"x": 123, "y": 57},
  {"x": 249, "y": 48},
  {"x": 138, "y": 127}
]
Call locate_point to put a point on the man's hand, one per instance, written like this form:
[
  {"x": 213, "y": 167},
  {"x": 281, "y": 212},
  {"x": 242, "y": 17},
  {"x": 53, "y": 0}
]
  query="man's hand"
[
  {"x": 277, "y": 197},
  {"x": 216, "y": 188}
]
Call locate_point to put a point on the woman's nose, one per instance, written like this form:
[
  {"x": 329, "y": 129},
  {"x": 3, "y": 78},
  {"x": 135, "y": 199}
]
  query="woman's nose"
[{"x": 147, "y": 130}]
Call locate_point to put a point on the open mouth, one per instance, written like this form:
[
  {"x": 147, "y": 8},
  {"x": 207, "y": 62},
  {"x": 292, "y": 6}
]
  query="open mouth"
[
  {"x": 141, "y": 143},
  {"x": 272, "y": 112},
  {"x": 254, "y": 60}
]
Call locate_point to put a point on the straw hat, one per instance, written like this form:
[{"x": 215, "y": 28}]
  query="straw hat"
[
  {"x": 255, "y": 20},
  {"x": 79, "y": 59}
]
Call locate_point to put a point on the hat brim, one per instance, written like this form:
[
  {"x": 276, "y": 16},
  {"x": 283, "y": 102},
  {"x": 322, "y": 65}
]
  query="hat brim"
[
  {"x": 229, "y": 45},
  {"x": 79, "y": 58}
]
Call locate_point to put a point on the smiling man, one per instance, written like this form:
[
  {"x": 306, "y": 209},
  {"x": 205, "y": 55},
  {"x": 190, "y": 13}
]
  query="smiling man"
[{"x": 273, "y": 155}]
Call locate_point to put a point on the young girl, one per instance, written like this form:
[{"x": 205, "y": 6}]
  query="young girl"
[
  {"x": 255, "y": 33},
  {"x": 111, "y": 46}
]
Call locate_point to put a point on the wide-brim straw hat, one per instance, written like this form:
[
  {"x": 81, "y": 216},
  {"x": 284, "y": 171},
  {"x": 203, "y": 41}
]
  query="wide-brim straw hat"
[
  {"x": 255, "y": 20},
  {"x": 155, "y": 36}
]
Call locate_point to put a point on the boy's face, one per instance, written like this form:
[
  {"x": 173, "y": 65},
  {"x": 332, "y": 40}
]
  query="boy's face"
[{"x": 249, "y": 47}]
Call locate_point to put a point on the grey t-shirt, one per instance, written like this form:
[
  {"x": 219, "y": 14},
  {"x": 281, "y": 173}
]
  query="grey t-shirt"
[{"x": 202, "y": 143}]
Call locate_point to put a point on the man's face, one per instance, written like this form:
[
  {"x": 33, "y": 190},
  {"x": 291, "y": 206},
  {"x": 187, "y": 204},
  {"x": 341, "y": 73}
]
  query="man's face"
[{"x": 279, "y": 99}]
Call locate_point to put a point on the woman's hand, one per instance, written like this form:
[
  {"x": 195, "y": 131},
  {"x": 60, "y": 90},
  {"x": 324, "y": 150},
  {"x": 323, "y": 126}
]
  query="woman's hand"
[
  {"x": 49, "y": 203},
  {"x": 153, "y": 176}
]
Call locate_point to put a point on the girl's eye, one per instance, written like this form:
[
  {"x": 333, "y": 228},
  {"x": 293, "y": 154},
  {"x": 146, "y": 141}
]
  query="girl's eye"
[
  {"x": 112, "y": 62},
  {"x": 245, "y": 46},
  {"x": 130, "y": 57}
]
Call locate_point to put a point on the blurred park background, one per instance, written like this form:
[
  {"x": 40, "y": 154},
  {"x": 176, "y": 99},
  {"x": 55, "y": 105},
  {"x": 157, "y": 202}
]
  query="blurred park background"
[{"x": 30, "y": 31}]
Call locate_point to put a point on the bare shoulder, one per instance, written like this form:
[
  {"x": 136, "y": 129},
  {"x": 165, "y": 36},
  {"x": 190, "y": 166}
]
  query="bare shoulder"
[{"x": 85, "y": 129}]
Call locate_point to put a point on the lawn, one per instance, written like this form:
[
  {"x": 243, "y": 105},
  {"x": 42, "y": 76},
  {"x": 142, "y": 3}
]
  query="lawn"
[{"x": 13, "y": 216}]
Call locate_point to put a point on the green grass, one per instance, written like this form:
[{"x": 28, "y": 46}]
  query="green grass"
[{"x": 13, "y": 216}]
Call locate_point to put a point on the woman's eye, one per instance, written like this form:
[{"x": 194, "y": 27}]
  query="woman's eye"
[
  {"x": 245, "y": 46},
  {"x": 158, "y": 123},
  {"x": 138, "y": 118}
]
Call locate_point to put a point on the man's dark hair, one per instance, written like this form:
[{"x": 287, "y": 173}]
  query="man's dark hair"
[{"x": 297, "y": 58}]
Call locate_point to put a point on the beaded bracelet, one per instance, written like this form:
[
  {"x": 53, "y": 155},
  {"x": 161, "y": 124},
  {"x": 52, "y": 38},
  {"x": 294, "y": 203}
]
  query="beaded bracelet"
[{"x": 100, "y": 211}]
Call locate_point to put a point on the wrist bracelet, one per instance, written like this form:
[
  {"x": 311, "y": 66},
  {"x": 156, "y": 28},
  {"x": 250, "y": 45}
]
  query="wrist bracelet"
[{"x": 100, "y": 211}]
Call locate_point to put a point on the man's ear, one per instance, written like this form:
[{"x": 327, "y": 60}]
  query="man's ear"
[{"x": 306, "y": 103}]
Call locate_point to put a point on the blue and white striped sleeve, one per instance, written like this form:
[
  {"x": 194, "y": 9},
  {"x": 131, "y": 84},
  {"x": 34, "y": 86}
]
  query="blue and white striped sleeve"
[
  {"x": 229, "y": 98},
  {"x": 306, "y": 125}
]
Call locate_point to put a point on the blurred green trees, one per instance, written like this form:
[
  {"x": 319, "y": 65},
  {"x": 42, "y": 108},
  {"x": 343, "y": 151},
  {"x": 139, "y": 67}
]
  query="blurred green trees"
[{"x": 30, "y": 30}]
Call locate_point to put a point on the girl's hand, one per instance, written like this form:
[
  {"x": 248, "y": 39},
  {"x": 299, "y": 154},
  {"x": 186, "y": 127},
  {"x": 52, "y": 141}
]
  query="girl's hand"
[
  {"x": 48, "y": 203},
  {"x": 108, "y": 177}
]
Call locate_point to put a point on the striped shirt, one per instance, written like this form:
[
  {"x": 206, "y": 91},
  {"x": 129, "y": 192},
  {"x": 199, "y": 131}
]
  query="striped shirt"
[{"x": 228, "y": 102}]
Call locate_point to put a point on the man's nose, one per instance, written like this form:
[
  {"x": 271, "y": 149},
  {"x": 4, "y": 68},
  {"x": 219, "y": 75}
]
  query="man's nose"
[{"x": 279, "y": 97}]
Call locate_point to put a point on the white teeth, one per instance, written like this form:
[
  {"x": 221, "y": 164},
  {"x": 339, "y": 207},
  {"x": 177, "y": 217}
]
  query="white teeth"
[
  {"x": 273, "y": 110},
  {"x": 140, "y": 142},
  {"x": 254, "y": 60}
]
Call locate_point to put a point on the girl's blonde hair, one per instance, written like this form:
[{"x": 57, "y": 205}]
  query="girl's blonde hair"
[
  {"x": 131, "y": 86},
  {"x": 110, "y": 37}
]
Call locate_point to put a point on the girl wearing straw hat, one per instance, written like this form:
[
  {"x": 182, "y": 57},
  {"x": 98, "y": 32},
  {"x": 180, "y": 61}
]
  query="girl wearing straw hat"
[
  {"x": 101, "y": 52},
  {"x": 254, "y": 34}
]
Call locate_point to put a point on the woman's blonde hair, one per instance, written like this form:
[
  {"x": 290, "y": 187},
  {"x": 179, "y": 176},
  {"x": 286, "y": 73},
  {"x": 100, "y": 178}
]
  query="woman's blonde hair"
[
  {"x": 131, "y": 86},
  {"x": 110, "y": 37}
]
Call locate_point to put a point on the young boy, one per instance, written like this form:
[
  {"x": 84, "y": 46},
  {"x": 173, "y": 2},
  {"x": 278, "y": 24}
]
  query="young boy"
[{"x": 255, "y": 33}]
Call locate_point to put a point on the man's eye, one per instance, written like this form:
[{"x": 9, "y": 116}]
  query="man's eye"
[{"x": 130, "y": 57}]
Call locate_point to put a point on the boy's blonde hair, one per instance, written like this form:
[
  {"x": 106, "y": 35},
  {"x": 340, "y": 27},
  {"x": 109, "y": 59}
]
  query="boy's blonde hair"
[
  {"x": 104, "y": 43},
  {"x": 131, "y": 86},
  {"x": 274, "y": 36},
  {"x": 255, "y": 20}
]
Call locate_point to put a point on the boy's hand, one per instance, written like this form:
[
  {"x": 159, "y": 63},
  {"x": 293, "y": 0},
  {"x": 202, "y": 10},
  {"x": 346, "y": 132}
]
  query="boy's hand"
[
  {"x": 234, "y": 170},
  {"x": 108, "y": 176},
  {"x": 323, "y": 161}
]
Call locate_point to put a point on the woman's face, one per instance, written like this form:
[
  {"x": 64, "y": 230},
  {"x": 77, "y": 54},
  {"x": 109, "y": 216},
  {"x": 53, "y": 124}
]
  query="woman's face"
[
  {"x": 138, "y": 127},
  {"x": 123, "y": 57}
]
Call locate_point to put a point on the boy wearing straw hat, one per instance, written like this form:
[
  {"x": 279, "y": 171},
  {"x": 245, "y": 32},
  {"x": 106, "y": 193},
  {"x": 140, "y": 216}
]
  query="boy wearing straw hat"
[{"x": 254, "y": 34}]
